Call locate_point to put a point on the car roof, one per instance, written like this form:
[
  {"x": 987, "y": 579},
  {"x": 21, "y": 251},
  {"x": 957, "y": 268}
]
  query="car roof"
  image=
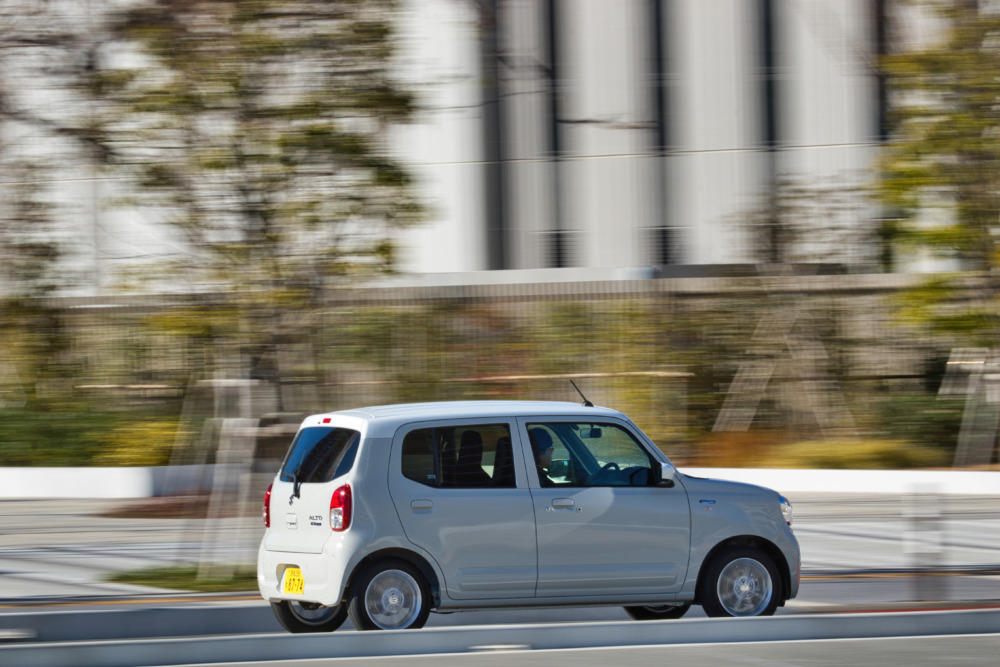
[{"x": 402, "y": 413}]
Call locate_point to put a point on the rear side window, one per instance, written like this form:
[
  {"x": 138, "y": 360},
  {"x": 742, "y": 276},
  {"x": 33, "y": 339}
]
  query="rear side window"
[
  {"x": 319, "y": 454},
  {"x": 460, "y": 457}
]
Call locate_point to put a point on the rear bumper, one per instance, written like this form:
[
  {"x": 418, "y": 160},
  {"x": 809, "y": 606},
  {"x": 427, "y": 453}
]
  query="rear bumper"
[{"x": 323, "y": 574}]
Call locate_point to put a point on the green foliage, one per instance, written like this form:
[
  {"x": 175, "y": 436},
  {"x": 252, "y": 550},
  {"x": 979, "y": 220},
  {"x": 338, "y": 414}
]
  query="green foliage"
[
  {"x": 924, "y": 420},
  {"x": 939, "y": 177},
  {"x": 667, "y": 363},
  {"x": 257, "y": 129},
  {"x": 957, "y": 305},
  {"x": 60, "y": 436},
  {"x": 185, "y": 578},
  {"x": 138, "y": 442},
  {"x": 859, "y": 454}
]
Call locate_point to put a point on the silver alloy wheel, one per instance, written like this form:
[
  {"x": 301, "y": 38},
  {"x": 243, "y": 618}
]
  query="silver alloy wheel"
[
  {"x": 393, "y": 599},
  {"x": 745, "y": 587},
  {"x": 312, "y": 613}
]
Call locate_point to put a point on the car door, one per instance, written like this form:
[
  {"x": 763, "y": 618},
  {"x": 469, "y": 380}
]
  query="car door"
[
  {"x": 462, "y": 496},
  {"x": 603, "y": 526}
]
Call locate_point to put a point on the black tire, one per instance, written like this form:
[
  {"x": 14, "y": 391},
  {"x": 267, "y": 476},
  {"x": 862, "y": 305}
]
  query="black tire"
[
  {"x": 658, "y": 612},
  {"x": 389, "y": 595},
  {"x": 740, "y": 580},
  {"x": 297, "y": 617}
]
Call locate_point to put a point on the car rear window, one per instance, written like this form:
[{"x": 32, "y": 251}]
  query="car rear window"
[
  {"x": 466, "y": 456},
  {"x": 319, "y": 454}
]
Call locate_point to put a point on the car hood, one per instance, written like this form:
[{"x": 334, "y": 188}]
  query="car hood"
[{"x": 728, "y": 488}]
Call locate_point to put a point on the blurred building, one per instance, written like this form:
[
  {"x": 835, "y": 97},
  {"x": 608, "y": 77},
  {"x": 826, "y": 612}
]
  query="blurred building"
[
  {"x": 613, "y": 135},
  {"x": 578, "y": 139}
]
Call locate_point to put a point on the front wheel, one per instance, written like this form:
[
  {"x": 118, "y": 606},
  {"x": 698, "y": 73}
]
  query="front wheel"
[
  {"x": 657, "y": 612},
  {"x": 389, "y": 595},
  {"x": 740, "y": 581},
  {"x": 296, "y": 616}
]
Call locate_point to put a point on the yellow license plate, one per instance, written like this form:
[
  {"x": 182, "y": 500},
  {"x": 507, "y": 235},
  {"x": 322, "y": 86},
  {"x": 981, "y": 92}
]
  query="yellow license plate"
[{"x": 294, "y": 583}]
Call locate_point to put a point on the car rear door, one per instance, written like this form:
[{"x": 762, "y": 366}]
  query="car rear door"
[{"x": 474, "y": 517}]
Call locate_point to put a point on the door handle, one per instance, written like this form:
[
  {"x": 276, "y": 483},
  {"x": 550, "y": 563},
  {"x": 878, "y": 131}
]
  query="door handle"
[
  {"x": 562, "y": 504},
  {"x": 421, "y": 506}
]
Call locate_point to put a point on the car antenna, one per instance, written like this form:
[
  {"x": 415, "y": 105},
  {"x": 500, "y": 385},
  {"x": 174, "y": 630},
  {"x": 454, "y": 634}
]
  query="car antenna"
[{"x": 586, "y": 403}]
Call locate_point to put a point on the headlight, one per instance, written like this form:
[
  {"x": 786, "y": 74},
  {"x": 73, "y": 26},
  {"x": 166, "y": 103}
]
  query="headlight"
[{"x": 786, "y": 509}]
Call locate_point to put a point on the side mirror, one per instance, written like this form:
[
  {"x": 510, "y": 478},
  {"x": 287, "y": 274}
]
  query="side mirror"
[{"x": 666, "y": 476}]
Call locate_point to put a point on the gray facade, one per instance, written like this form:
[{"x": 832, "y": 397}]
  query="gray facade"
[
  {"x": 603, "y": 136},
  {"x": 631, "y": 133}
]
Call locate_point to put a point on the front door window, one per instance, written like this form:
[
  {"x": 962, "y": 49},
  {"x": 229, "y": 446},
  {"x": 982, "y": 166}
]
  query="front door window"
[{"x": 588, "y": 454}]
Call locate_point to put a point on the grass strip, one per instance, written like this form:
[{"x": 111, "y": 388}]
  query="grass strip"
[{"x": 185, "y": 578}]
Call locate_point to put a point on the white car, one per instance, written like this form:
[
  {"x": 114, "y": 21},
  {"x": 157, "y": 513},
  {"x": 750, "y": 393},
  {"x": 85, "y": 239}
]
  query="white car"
[{"x": 388, "y": 513}]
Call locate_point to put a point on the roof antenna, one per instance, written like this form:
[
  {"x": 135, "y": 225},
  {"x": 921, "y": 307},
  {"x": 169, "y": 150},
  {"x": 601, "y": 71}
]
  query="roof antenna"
[{"x": 586, "y": 403}]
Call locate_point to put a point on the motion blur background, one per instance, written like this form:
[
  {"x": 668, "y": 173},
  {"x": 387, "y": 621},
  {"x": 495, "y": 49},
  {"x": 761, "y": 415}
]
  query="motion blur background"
[{"x": 765, "y": 229}]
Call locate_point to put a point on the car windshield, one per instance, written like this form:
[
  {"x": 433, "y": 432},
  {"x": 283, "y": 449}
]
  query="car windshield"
[{"x": 320, "y": 454}]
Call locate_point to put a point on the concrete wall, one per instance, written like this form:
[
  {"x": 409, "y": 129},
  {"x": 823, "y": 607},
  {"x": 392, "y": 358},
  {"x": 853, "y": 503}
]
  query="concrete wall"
[{"x": 104, "y": 482}]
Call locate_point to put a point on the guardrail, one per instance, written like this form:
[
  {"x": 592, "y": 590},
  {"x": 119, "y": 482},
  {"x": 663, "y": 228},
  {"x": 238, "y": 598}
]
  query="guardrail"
[{"x": 284, "y": 647}]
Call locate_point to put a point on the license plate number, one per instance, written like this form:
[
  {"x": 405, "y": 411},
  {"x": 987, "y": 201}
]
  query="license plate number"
[{"x": 294, "y": 583}]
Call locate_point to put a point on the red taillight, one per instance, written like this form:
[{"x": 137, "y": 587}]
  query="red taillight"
[
  {"x": 267, "y": 506},
  {"x": 340, "y": 509}
]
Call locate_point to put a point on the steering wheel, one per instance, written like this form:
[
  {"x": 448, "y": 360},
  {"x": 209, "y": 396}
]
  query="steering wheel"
[{"x": 598, "y": 476}]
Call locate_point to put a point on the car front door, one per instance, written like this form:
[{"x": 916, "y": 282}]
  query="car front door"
[
  {"x": 462, "y": 496},
  {"x": 603, "y": 525}
]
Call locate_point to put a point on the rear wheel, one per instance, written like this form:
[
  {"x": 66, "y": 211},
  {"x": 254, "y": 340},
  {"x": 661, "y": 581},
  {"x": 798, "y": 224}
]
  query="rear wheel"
[
  {"x": 296, "y": 616},
  {"x": 389, "y": 595},
  {"x": 740, "y": 581},
  {"x": 657, "y": 612}
]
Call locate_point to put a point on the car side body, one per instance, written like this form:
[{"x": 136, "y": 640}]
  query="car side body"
[{"x": 448, "y": 503}]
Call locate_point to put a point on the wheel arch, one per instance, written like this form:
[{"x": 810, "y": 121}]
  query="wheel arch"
[
  {"x": 768, "y": 547},
  {"x": 397, "y": 553}
]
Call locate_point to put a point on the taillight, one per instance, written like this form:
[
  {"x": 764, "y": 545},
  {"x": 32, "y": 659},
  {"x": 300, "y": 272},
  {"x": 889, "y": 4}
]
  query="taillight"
[
  {"x": 340, "y": 508},
  {"x": 267, "y": 506}
]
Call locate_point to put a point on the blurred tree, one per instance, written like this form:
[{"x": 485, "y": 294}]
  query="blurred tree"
[
  {"x": 258, "y": 129},
  {"x": 800, "y": 222},
  {"x": 31, "y": 333},
  {"x": 28, "y": 248},
  {"x": 33, "y": 40},
  {"x": 798, "y": 227},
  {"x": 940, "y": 173}
]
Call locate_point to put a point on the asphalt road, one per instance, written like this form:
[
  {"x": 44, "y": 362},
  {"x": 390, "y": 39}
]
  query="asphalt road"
[
  {"x": 52, "y": 549},
  {"x": 861, "y": 553},
  {"x": 56, "y": 549}
]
